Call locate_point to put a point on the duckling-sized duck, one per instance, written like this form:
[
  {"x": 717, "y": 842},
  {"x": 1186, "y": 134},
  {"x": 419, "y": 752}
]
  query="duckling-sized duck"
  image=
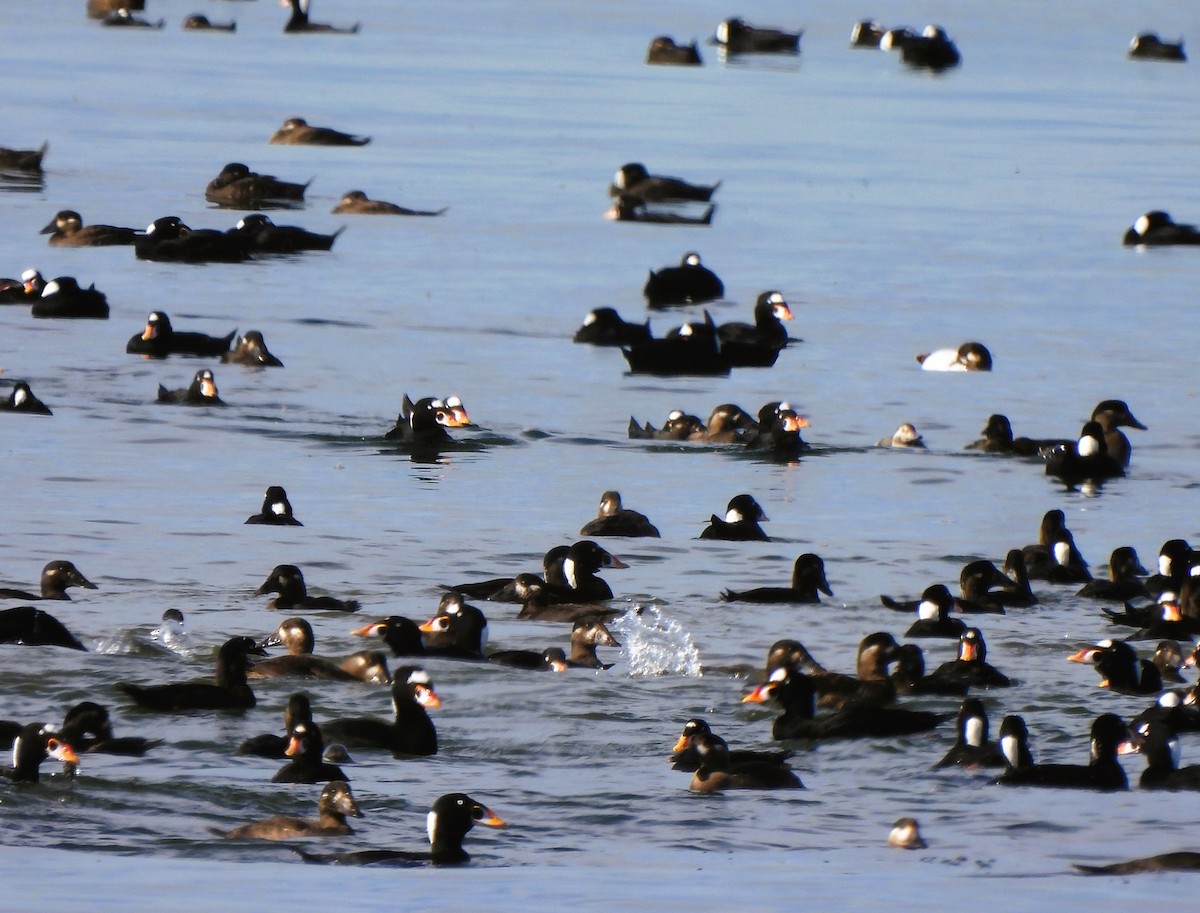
[
  {"x": 615, "y": 520},
  {"x": 717, "y": 772},
  {"x": 1148, "y": 46},
  {"x": 357, "y": 203},
  {"x": 288, "y": 582},
  {"x": 29, "y": 160},
  {"x": 160, "y": 339},
  {"x": 634, "y": 180},
  {"x": 306, "y": 748},
  {"x": 237, "y": 187},
  {"x": 33, "y": 627},
  {"x": 1157, "y": 229},
  {"x": 684, "y": 756},
  {"x": 452, "y": 817},
  {"x": 251, "y": 350},
  {"x": 1120, "y": 668},
  {"x": 808, "y": 580},
  {"x": 269, "y": 745},
  {"x": 740, "y": 523},
  {"x": 300, "y": 23},
  {"x": 1102, "y": 772},
  {"x": 88, "y": 729},
  {"x": 410, "y": 733},
  {"x": 679, "y": 426},
  {"x": 334, "y": 805},
  {"x": 22, "y": 400},
  {"x": 66, "y": 229},
  {"x": 228, "y": 691},
  {"x": 169, "y": 240},
  {"x": 262, "y": 236},
  {"x": 605, "y": 327},
  {"x": 931, "y": 50},
  {"x": 276, "y": 510},
  {"x": 35, "y": 743},
  {"x": 201, "y": 23},
  {"x": 736, "y": 36},
  {"x": 63, "y": 299},
  {"x": 296, "y": 131},
  {"x": 57, "y": 577},
  {"x": 630, "y": 208},
  {"x": 905, "y": 435},
  {"x": 970, "y": 356},
  {"x": 664, "y": 51},
  {"x": 972, "y": 747},
  {"x": 972, "y": 665},
  {"x": 296, "y": 635},
  {"x": 691, "y": 282},
  {"x": 201, "y": 392}
]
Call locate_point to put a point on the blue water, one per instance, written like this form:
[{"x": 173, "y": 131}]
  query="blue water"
[{"x": 897, "y": 211}]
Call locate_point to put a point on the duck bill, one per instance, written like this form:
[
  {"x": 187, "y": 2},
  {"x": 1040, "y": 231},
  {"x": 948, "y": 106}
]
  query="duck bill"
[
  {"x": 1083, "y": 656},
  {"x": 460, "y": 415},
  {"x": 374, "y": 629},
  {"x": 50, "y": 228},
  {"x": 61, "y": 751},
  {"x": 615, "y": 562},
  {"x": 613, "y": 214},
  {"x": 682, "y": 743},
  {"x": 430, "y": 626},
  {"x": 491, "y": 819},
  {"x": 148, "y": 333},
  {"x": 759, "y": 695},
  {"x": 1171, "y": 612},
  {"x": 794, "y": 423},
  {"x": 208, "y": 389},
  {"x": 295, "y": 746},
  {"x": 557, "y": 665},
  {"x": 427, "y": 697},
  {"x": 969, "y": 653},
  {"x": 783, "y": 312}
]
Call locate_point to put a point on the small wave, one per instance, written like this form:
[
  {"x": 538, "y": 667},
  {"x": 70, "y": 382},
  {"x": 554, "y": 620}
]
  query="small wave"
[{"x": 655, "y": 645}]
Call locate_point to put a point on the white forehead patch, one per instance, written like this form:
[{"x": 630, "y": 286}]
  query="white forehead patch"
[
  {"x": 1104, "y": 645},
  {"x": 419, "y": 677},
  {"x": 692, "y": 259},
  {"x": 1142, "y": 225},
  {"x": 776, "y": 298},
  {"x": 674, "y": 416},
  {"x": 927, "y": 611},
  {"x": 685, "y": 330}
]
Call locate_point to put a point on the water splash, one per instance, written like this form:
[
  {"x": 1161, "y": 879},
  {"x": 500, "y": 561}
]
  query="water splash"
[{"x": 655, "y": 645}]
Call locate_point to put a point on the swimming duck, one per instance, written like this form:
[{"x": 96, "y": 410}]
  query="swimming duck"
[
  {"x": 1124, "y": 583},
  {"x": 57, "y": 577},
  {"x": 717, "y": 771},
  {"x": 402, "y": 635},
  {"x": 1086, "y": 460},
  {"x": 904, "y": 436},
  {"x": 1102, "y": 772},
  {"x": 1120, "y": 668},
  {"x": 33, "y": 627},
  {"x": 1180, "y": 861},
  {"x": 306, "y": 749},
  {"x": 972, "y": 748},
  {"x": 684, "y": 757},
  {"x": 160, "y": 339},
  {"x": 998, "y": 438},
  {"x": 299, "y": 21},
  {"x": 970, "y": 356},
  {"x": 22, "y": 400},
  {"x": 1160, "y": 746},
  {"x": 870, "y": 685},
  {"x": 451, "y": 818},
  {"x": 1175, "y": 562},
  {"x": 237, "y": 187},
  {"x": 35, "y": 743},
  {"x": 629, "y": 208},
  {"x": 605, "y": 327},
  {"x": 728, "y": 423},
  {"x": 123, "y": 18},
  {"x": 251, "y": 350},
  {"x": 664, "y": 50},
  {"x": 29, "y": 160},
  {"x": 288, "y": 581},
  {"x": 906, "y": 835},
  {"x": 1148, "y": 46},
  {"x": 228, "y": 691},
  {"x": 410, "y": 733},
  {"x": 296, "y": 635},
  {"x": 972, "y": 665},
  {"x": 740, "y": 523},
  {"x": 757, "y": 345},
  {"x": 88, "y": 729},
  {"x": 1018, "y": 592},
  {"x": 615, "y": 520},
  {"x": 736, "y": 36},
  {"x": 268, "y": 745},
  {"x": 63, "y": 299},
  {"x": 1112, "y": 415},
  {"x": 552, "y": 659},
  {"x": 201, "y": 392},
  {"x": 169, "y": 239},
  {"x": 1054, "y": 556},
  {"x": 1157, "y": 229},
  {"x": 459, "y": 630},
  {"x": 635, "y": 181},
  {"x": 932, "y": 49},
  {"x": 200, "y": 22},
  {"x": 580, "y": 564},
  {"x": 296, "y": 131},
  {"x": 679, "y": 426},
  {"x": 976, "y": 580},
  {"x": 368, "y": 666},
  {"x": 66, "y": 229},
  {"x": 424, "y": 424},
  {"x": 262, "y": 236},
  {"x": 808, "y": 577},
  {"x": 355, "y": 202},
  {"x": 866, "y": 34},
  {"x": 778, "y": 432},
  {"x": 692, "y": 349},
  {"x": 335, "y": 803},
  {"x": 25, "y": 291},
  {"x": 933, "y": 615},
  {"x": 691, "y": 282},
  {"x": 276, "y": 509},
  {"x": 909, "y": 676}
]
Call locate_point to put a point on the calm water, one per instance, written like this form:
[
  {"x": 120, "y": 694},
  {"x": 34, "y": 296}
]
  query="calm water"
[{"x": 898, "y": 212}]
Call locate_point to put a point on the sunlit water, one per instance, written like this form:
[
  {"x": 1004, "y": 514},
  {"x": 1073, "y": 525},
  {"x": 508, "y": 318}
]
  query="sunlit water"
[{"x": 898, "y": 212}]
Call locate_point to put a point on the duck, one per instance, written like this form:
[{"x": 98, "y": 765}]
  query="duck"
[
  {"x": 740, "y": 523},
  {"x": 368, "y": 666},
  {"x": 122, "y": 17},
  {"x": 691, "y": 282},
  {"x": 716, "y": 772},
  {"x": 334, "y": 805},
  {"x": 1086, "y": 460},
  {"x": 169, "y": 240},
  {"x": 1054, "y": 556},
  {"x": 306, "y": 747},
  {"x": 692, "y": 349},
  {"x": 906, "y": 835},
  {"x": 679, "y": 426},
  {"x": 1160, "y": 746},
  {"x": 159, "y": 339},
  {"x": 971, "y": 664},
  {"x": 1179, "y": 861},
  {"x": 1112, "y": 415},
  {"x": 424, "y": 424},
  {"x": 287, "y": 581},
  {"x": 630, "y": 208},
  {"x": 972, "y": 748},
  {"x": 736, "y": 36},
  {"x": 237, "y": 187},
  {"x": 64, "y": 299},
  {"x": 931, "y": 50},
  {"x": 410, "y": 733},
  {"x": 66, "y": 229},
  {"x": 1148, "y": 46},
  {"x": 262, "y": 236},
  {"x": 808, "y": 581},
  {"x": 200, "y": 22},
  {"x": 228, "y": 691},
  {"x": 356, "y": 202},
  {"x": 459, "y": 630},
  {"x": 35, "y": 743},
  {"x": 29, "y": 160},
  {"x": 970, "y": 356},
  {"x": 507, "y": 589},
  {"x": 1018, "y": 592},
  {"x": 33, "y": 627},
  {"x": 663, "y": 50},
  {"x": 87, "y": 728},
  {"x": 728, "y": 423},
  {"x": 866, "y": 34},
  {"x": 778, "y": 432},
  {"x": 905, "y": 435},
  {"x": 1103, "y": 772},
  {"x": 299, "y": 21},
  {"x": 296, "y": 635},
  {"x": 975, "y": 581},
  {"x": 1120, "y": 668},
  {"x": 605, "y": 327},
  {"x": 757, "y": 345},
  {"x": 25, "y": 291},
  {"x": 1175, "y": 562},
  {"x": 201, "y": 392},
  {"x": 402, "y": 635},
  {"x": 267, "y": 745},
  {"x": 684, "y": 756},
  {"x": 615, "y": 520},
  {"x": 552, "y": 659},
  {"x": 21, "y": 399},
  {"x": 276, "y": 509},
  {"x": 870, "y": 685},
  {"x": 1156, "y": 228},
  {"x": 796, "y": 693},
  {"x": 998, "y": 438},
  {"x": 586, "y": 635},
  {"x": 451, "y": 818},
  {"x": 251, "y": 350},
  {"x": 296, "y": 131},
  {"x": 635, "y": 181},
  {"x": 909, "y": 676},
  {"x": 581, "y": 562},
  {"x": 1124, "y": 583},
  {"x": 57, "y": 577},
  {"x": 933, "y": 613}
]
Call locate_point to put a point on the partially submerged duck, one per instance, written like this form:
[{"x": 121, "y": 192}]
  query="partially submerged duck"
[
  {"x": 251, "y": 350},
  {"x": 664, "y": 50},
  {"x": 160, "y": 339},
  {"x": 296, "y": 131},
  {"x": 334, "y": 805},
  {"x": 202, "y": 391},
  {"x": 66, "y": 229},
  {"x": 355, "y": 202}
]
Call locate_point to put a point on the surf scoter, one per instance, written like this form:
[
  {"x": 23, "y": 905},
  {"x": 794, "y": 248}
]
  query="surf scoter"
[
  {"x": 228, "y": 691},
  {"x": 866, "y": 34},
  {"x": 909, "y": 676},
  {"x": 808, "y": 579},
  {"x": 268, "y": 745},
  {"x": 288, "y": 582},
  {"x": 459, "y": 630},
  {"x": 411, "y": 732},
  {"x": 63, "y": 299},
  {"x": 972, "y": 747},
  {"x": 740, "y": 523},
  {"x": 975, "y": 581},
  {"x": 26, "y": 291},
  {"x": 635, "y": 181},
  {"x": 33, "y": 627},
  {"x": 1157, "y": 229},
  {"x": 87, "y": 728},
  {"x": 123, "y": 18},
  {"x": 306, "y": 747},
  {"x": 933, "y": 613},
  {"x": 66, "y": 229},
  {"x": 736, "y": 36},
  {"x": 1052, "y": 551},
  {"x": 402, "y": 635},
  {"x": 1086, "y": 460},
  {"x": 262, "y": 236},
  {"x": 334, "y": 805},
  {"x": 1103, "y": 772},
  {"x": 1148, "y": 46},
  {"x": 201, "y": 392},
  {"x": 35, "y": 743},
  {"x": 717, "y": 772},
  {"x": 970, "y": 356},
  {"x": 296, "y": 131},
  {"x": 57, "y": 577},
  {"x": 1159, "y": 744},
  {"x": 691, "y": 282},
  {"x": 251, "y": 350},
  {"x": 932, "y": 49},
  {"x": 237, "y": 187},
  {"x": 1124, "y": 583},
  {"x": 615, "y": 520},
  {"x": 200, "y": 22},
  {"x": 424, "y": 424},
  {"x": 740, "y": 340},
  {"x": 168, "y": 239},
  {"x": 355, "y": 202},
  {"x": 998, "y": 438},
  {"x": 299, "y": 21},
  {"x": 679, "y": 426},
  {"x": 160, "y": 339},
  {"x": 1120, "y": 668},
  {"x": 276, "y": 509},
  {"x": 605, "y": 327},
  {"x": 684, "y": 756},
  {"x": 296, "y": 635},
  {"x": 22, "y": 400},
  {"x": 23, "y": 159},
  {"x": 869, "y": 685},
  {"x": 692, "y": 349},
  {"x": 972, "y": 665},
  {"x": 664, "y": 50}
]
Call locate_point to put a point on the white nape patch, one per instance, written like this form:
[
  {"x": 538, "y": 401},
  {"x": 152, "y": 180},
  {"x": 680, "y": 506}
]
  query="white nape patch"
[
  {"x": 569, "y": 573},
  {"x": 973, "y": 732},
  {"x": 19, "y": 397},
  {"x": 619, "y": 179},
  {"x": 734, "y": 516},
  {"x": 150, "y": 229},
  {"x": 431, "y": 823},
  {"x": 483, "y": 636},
  {"x": 778, "y": 675},
  {"x": 776, "y": 298},
  {"x": 241, "y": 223},
  {"x": 1010, "y": 748},
  {"x": 1173, "y": 748},
  {"x": 29, "y": 275},
  {"x": 927, "y": 611},
  {"x": 278, "y": 508},
  {"x": 888, "y": 41},
  {"x": 589, "y": 319},
  {"x": 419, "y": 677},
  {"x": 16, "y": 751},
  {"x": 692, "y": 260},
  {"x": 50, "y": 289},
  {"x": 1168, "y": 699},
  {"x": 1062, "y": 553},
  {"x": 1142, "y": 225},
  {"x": 685, "y": 330},
  {"x": 1104, "y": 645},
  {"x": 1164, "y": 565},
  {"x": 1088, "y": 446},
  {"x": 723, "y": 32},
  {"x": 1194, "y": 571},
  {"x": 931, "y": 31}
]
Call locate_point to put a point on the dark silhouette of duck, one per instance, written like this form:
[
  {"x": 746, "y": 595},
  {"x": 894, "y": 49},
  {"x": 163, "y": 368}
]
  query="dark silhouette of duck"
[
  {"x": 605, "y": 327},
  {"x": 21, "y": 399},
  {"x": 808, "y": 581},
  {"x": 1156, "y": 228},
  {"x": 740, "y": 523},
  {"x": 615, "y": 520},
  {"x": 251, "y": 350},
  {"x": 296, "y": 131},
  {"x": 169, "y": 240},
  {"x": 409, "y": 733},
  {"x": 300, "y": 23},
  {"x": 35, "y": 628},
  {"x": 691, "y": 282},
  {"x": 202, "y": 391},
  {"x": 1148, "y": 46},
  {"x": 23, "y": 160},
  {"x": 35, "y": 743},
  {"x": 237, "y": 187},
  {"x": 228, "y": 691},
  {"x": 66, "y": 229},
  {"x": 663, "y": 50},
  {"x": 287, "y": 581},
  {"x": 276, "y": 509},
  {"x": 64, "y": 299},
  {"x": 355, "y": 202},
  {"x": 736, "y": 36},
  {"x": 334, "y": 805},
  {"x": 262, "y": 236},
  {"x": 1102, "y": 772},
  {"x": 160, "y": 339}
]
